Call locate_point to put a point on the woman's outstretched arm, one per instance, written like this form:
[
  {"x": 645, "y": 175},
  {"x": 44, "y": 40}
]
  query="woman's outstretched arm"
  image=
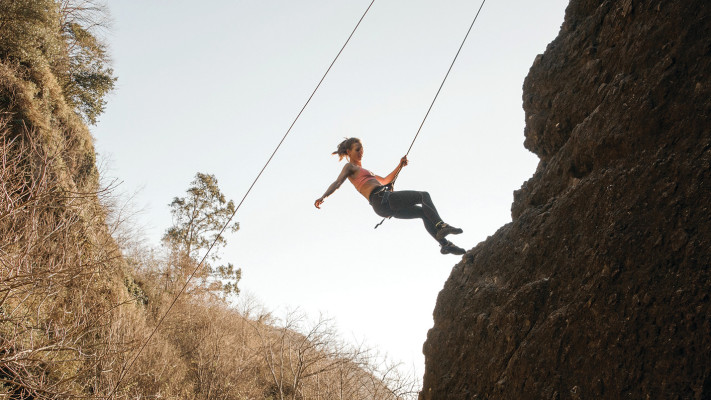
[
  {"x": 392, "y": 175},
  {"x": 345, "y": 173}
]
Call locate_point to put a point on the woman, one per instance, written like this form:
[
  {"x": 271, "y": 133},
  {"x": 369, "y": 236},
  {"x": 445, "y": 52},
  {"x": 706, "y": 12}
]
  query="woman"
[{"x": 405, "y": 204}]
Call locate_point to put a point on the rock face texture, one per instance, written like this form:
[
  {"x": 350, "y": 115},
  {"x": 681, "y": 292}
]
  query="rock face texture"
[{"x": 600, "y": 287}]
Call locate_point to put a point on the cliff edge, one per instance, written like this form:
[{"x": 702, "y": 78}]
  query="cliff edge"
[{"x": 600, "y": 286}]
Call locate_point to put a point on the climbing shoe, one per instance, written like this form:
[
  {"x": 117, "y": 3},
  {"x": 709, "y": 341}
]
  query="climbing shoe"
[
  {"x": 451, "y": 248},
  {"x": 446, "y": 229}
]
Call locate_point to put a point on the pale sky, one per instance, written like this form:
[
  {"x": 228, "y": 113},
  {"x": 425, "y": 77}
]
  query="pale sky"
[{"x": 212, "y": 87}]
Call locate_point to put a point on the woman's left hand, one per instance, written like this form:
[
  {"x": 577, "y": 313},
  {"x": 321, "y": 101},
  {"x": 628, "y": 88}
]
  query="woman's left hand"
[{"x": 403, "y": 161}]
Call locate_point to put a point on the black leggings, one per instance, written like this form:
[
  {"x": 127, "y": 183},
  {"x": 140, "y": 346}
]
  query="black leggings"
[{"x": 407, "y": 204}]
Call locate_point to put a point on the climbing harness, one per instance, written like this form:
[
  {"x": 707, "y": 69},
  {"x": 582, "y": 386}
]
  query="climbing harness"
[
  {"x": 392, "y": 183},
  {"x": 127, "y": 367},
  {"x": 387, "y": 188}
]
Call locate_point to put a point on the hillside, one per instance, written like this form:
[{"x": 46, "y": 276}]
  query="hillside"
[
  {"x": 600, "y": 285},
  {"x": 80, "y": 297}
]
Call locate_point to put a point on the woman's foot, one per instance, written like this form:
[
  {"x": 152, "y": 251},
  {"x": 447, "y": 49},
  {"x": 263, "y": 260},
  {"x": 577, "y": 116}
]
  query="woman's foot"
[
  {"x": 446, "y": 229},
  {"x": 451, "y": 248}
]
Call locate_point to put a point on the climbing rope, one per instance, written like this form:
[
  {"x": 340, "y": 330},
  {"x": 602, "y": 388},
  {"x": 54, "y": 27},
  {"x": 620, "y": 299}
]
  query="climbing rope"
[
  {"x": 125, "y": 368},
  {"x": 440, "y": 88},
  {"x": 392, "y": 183}
]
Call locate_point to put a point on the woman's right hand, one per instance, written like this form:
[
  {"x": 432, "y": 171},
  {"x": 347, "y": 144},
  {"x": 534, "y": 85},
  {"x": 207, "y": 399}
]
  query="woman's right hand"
[{"x": 318, "y": 202}]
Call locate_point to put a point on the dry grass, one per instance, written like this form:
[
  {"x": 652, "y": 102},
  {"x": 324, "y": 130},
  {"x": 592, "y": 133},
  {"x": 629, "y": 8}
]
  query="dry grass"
[{"x": 57, "y": 297}]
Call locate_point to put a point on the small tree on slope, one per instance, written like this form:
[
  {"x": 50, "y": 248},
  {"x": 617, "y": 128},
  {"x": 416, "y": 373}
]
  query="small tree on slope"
[{"x": 198, "y": 219}]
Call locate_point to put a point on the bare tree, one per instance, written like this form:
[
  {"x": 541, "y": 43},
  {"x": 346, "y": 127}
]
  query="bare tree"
[
  {"x": 53, "y": 257},
  {"x": 307, "y": 361}
]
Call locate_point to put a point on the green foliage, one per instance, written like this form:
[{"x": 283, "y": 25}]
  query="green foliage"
[
  {"x": 61, "y": 35},
  {"x": 89, "y": 79},
  {"x": 229, "y": 276},
  {"x": 199, "y": 217},
  {"x": 135, "y": 291}
]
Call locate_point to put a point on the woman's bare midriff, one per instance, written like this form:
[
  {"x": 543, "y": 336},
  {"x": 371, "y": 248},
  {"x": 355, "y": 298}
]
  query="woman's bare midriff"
[{"x": 368, "y": 187}]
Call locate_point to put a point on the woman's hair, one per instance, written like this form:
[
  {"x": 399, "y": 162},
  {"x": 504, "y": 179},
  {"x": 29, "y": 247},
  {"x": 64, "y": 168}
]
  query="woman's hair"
[{"x": 344, "y": 146}]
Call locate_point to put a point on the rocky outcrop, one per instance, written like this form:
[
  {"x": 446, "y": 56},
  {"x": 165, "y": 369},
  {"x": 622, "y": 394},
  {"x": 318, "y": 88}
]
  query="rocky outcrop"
[{"x": 600, "y": 286}]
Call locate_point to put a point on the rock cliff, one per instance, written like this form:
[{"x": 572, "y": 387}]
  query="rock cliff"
[{"x": 600, "y": 286}]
